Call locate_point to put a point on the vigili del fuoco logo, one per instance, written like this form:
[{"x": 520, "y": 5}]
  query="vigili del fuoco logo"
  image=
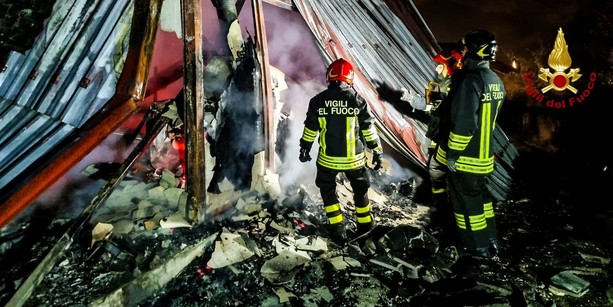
[{"x": 559, "y": 78}]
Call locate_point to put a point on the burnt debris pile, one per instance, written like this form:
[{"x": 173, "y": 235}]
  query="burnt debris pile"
[{"x": 258, "y": 249}]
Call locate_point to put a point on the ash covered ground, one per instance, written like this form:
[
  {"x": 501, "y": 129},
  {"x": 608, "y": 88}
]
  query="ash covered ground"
[{"x": 555, "y": 241}]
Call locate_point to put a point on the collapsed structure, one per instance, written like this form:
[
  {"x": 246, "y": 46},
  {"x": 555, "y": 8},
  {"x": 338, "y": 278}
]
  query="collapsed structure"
[{"x": 99, "y": 54}]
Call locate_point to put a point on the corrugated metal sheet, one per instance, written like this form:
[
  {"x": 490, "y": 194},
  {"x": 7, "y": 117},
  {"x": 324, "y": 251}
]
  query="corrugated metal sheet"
[
  {"x": 51, "y": 91},
  {"x": 382, "y": 47}
]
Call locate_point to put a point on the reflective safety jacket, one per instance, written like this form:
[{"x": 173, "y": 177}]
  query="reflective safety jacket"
[
  {"x": 345, "y": 125},
  {"x": 475, "y": 98}
]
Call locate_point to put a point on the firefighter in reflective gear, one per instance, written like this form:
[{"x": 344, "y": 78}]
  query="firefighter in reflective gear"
[
  {"x": 448, "y": 61},
  {"x": 345, "y": 126},
  {"x": 475, "y": 99},
  {"x": 437, "y": 108}
]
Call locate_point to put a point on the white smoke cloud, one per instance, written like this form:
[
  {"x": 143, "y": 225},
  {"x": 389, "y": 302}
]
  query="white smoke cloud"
[
  {"x": 292, "y": 171},
  {"x": 72, "y": 192}
]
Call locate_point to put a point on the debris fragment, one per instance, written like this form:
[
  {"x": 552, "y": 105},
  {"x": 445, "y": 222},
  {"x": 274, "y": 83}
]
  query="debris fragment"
[
  {"x": 175, "y": 220},
  {"x": 101, "y": 231},
  {"x": 567, "y": 283},
  {"x": 342, "y": 263},
  {"x": 229, "y": 249}
]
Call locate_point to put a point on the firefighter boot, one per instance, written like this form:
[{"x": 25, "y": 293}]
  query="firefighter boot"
[
  {"x": 481, "y": 253},
  {"x": 337, "y": 234},
  {"x": 364, "y": 238},
  {"x": 363, "y": 228},
  {"x": 494, "y": 247}
]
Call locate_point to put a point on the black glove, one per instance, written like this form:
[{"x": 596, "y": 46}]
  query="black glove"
[
  {"x": 436, "y": 97},
  {"x": 387, "y": 92},
  {"x": 452, "y": 158},
  {"x": 304, "y": 155},
  {"x": 377, "y": 159}
]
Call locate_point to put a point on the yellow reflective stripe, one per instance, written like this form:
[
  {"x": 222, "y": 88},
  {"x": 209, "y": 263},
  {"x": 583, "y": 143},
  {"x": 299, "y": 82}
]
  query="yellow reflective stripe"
[
  {"x": 438, "y": 191},
  {"x": 468, "y": 164},
  {"x": 488, "y": 210},
  {"x": 362, "y": 209},
  {"x": 458, "y": 142},
  {"x": 476, "y": 161},
  {"x": 486, "y": 126},
  {"x": 475, "y": 170},
  {"x": 341, "y": 163},
  {"x": 364, "y": 220},
  {"x": 477, "y": 222},
  {"x": 460, "y": 138},
  {"x": 370, "y": 135},
  {"x": 322, "y": 133},
  {"x": 350, "y": 136},
  {"x": 309, "y": 135},
  {"x": 335, "y": 220},
  {"x": 498, "y": 105},
  {"x": 341, "y": 160},
  {"x": 332, "y": 208},
  {"x": 459, "y": 220},
  {"x": 441, "y": 155},
  {"x": 474, "y": 165}
]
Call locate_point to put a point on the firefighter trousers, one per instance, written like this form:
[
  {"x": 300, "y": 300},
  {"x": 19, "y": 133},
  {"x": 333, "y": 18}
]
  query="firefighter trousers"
[
  {"x": 360, "y": 182},
  {"x": 443, "y": 215},
  {"x": 438, "y": 176},
  {"x": 474, "y": 213}
]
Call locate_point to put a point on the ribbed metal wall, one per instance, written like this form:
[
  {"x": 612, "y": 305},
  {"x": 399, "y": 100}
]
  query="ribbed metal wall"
[{"x": 49, "y": 92}]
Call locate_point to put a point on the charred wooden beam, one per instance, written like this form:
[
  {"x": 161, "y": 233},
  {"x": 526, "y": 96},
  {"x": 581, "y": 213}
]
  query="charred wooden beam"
[
  {"x": 130, "y": 89},
  {"x": 194, "y": 106},
  {"x": 137, "y": 290},
  {"x": 269, "y": 133}
]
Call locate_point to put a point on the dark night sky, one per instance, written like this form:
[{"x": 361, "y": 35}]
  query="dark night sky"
[
  {"x": 520, "y": 26},
  {"x": 527, "y": 30}
]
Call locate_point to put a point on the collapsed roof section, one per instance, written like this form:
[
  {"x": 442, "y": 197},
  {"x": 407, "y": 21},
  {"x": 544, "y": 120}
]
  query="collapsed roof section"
[
  {"x": 83, "y": 74},
  {"x": 50, "y": 91}
]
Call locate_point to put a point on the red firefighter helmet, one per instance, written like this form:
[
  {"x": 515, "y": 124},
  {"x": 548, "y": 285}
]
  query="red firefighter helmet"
[
  {"x": 340, "y": 70},
  {"x": 451, "y": 60}
]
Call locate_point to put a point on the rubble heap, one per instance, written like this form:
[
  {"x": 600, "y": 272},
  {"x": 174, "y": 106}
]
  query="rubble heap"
[{"x": 138, "y": 250}]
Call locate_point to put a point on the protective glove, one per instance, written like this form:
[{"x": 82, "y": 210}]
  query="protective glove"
[
  {"x": 377, "y": 158},
  {"x": 451, "y": 163},
  {"x": 304, "y": 155},
  {"x": 408, "y": 95},
  {"x": 435, "y": 97},
  {"x": 387, "y": 92}
]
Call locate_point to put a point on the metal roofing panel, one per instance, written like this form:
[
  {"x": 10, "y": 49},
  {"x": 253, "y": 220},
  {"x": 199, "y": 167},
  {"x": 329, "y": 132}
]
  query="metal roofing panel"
[
  {"x": 87, "y": 49},
  {"x": 70, "y": 73},
  {"x": 27, "y": 135},
  {"x": 17, "y": 76},
  {"x": 54, "y": 54},
  {"x": 51, "y": 140}
]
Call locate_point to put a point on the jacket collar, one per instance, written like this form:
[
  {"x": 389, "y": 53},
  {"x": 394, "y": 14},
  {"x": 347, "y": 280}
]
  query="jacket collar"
[
  {"x": 475, "y": 64},
  {"x": 339, "y": 85}
]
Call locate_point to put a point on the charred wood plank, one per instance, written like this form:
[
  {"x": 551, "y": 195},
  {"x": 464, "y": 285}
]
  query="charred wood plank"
[
  {"x": 266, "y": 80},
  {"x": 146, "y": 285},
  {"x": 194, "y": 107}
]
